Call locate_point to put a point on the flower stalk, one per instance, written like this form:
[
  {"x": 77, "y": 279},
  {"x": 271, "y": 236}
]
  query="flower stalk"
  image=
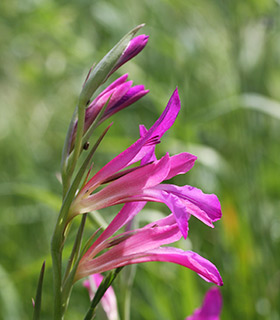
[
  {"x": 97, "y": 75},
  {"x": 133, "y": 178}
]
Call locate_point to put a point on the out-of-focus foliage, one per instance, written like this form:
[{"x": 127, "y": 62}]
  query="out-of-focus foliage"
[{"x": 224, "y": 56}]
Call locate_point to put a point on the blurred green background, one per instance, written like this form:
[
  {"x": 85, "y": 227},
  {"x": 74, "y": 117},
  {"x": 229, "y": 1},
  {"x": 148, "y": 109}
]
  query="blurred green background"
[{"x": 224, "y": 56}]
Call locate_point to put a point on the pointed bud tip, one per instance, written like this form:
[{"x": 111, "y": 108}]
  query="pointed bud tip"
[
  {"x": 140, "y": 26},
  {"x": 176, "y": 96},
  {"x": 137, "y": 28}
]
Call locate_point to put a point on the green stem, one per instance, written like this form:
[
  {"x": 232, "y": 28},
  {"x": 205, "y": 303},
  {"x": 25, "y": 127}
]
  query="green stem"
[
  {"x": 56, "y": 251},
  {"x": 74, "y": 259},
  {"x": 65, "y": 153},
  {"x": 127, "y": 302},
  {"x": 58, "y": 236},
  {"x": 76, "y": 247},
  {"x": 128, "y": 275},
  {"x": 57, "y": 244},
  {"x": 77, "y": 147}
]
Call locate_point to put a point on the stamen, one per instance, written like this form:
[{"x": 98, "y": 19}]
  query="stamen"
[
  {"x": 120, "y": 239},
  {"x": 152, "y": 141}
]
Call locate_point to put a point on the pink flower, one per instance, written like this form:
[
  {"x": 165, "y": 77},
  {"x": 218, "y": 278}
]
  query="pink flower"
[
  {"x": 119, "y": 95},
  {"x": 134, "y": 187},
  {"x": 135, "y": 46},
  {"x": 108, "y": 301},
  {"x": 141, "y": 245},
  {"x": 211, "y": 308},
  {"x": 144, "y": 182}
]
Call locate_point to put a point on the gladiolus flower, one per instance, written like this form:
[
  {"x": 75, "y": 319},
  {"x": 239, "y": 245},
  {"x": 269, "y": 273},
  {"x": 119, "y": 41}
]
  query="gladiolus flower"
[
  {"x": 211, "y": 307},
  {"x": 118, "y": 95},
  {"x": 143, "y": 183},
  {"x": 142, "y": 245}
]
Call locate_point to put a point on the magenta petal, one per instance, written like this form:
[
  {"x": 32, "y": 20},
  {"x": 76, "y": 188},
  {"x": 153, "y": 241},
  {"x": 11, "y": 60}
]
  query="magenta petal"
[
  {"x": 118, "y": 258},
  {"x": 206, "y": 207},
  {"x": 127, "y": 246},
  {"x": 211, "y": 308},
  {"x": 179, "y": 210},
  {"x": 128, "y": 212},
  {"x": 115, "y": 96},
  {"x": 125, "y": 188},
  {"x": 183, "y": 202},
  {"x": 135, "y": 46},
  {"x": 180, "y": 164},
  {"x": 142, "y": 130},
  {"x": 174, "y": 203},
  {"x": 212, "y": 303},
  {"x": 169, "y": 115},
  {"x": 115, "y": 164},
  {"x": 166, "y": 221},
  {"x": 145, "y": 239},
  {"x": 147, "y": 152},
  {"x": 189, "y": 259},
  {"x": 115, "y": 84},
  {"x": 112, "y": 97},
  {"x": 164, "y": 122},
  {"x": 132, "y": 95}
]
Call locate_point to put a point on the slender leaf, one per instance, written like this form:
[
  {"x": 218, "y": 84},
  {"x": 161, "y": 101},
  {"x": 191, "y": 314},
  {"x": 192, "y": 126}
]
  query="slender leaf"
[
  {"x": 105, "y": 284},
  {"x": 38, "y": 299}
]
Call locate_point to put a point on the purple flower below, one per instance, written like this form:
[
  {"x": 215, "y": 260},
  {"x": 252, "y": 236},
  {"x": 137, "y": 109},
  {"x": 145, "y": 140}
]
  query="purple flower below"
[
  {"x": 211, "y": 307},
  {"x": 108, "y": 301}
]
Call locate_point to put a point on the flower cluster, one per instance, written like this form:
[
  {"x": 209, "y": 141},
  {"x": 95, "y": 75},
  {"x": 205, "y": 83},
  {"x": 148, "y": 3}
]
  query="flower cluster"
[
  {"x": 133, "y": 178},
  {"x": 134, "y": 187}
]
